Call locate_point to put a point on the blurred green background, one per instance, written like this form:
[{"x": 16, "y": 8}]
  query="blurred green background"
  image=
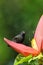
[{"x": 15, "y": 16}]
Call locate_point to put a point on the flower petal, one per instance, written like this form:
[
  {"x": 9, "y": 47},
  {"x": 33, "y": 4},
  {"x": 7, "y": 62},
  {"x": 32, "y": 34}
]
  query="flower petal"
[
  {"x": 39, "y": 33},
  {"x": 20, "y": 48}
]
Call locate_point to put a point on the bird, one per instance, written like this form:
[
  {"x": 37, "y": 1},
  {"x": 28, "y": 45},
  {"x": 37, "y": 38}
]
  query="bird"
[{"x": 19, "y": 38}]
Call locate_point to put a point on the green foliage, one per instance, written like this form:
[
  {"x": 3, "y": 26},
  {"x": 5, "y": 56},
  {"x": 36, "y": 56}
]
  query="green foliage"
[
  {"x": 34, "y": 62},
  {"x": 20, "y": 59},
  {"x": 29, "y": 60}
]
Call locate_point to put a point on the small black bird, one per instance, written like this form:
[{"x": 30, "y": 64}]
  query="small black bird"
[{"x": 19, "y": 38}]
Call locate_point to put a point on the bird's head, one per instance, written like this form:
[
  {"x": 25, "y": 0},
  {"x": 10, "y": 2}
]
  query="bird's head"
[{"x": 23, "y": 33}]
